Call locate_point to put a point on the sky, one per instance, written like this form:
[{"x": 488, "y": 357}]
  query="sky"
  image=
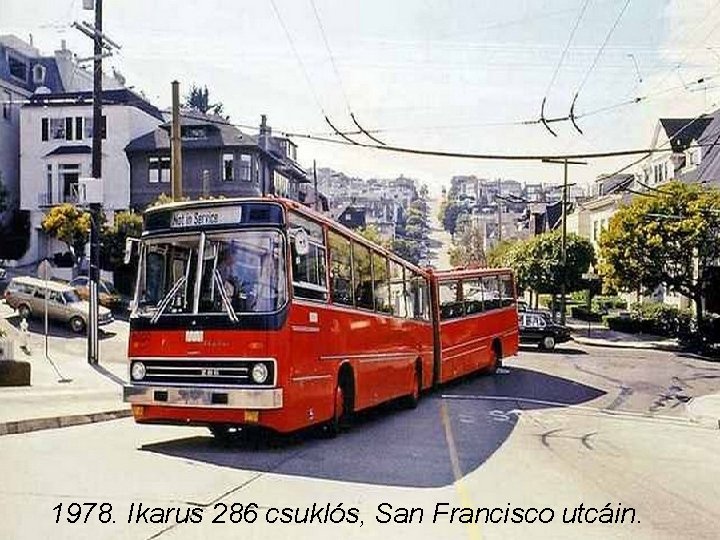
[{"x": 450, "y": 75}]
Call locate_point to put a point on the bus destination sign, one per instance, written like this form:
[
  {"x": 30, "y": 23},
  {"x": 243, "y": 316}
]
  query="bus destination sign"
[{"x": 222, "y": 215}]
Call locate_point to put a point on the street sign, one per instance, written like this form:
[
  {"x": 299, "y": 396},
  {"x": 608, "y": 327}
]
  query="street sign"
[
  {"x": 590, "y": 276},
  {"x": 45, "y": 270}
]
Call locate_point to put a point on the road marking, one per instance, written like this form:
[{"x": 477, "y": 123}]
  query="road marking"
[{"x": 473, "y": 531}]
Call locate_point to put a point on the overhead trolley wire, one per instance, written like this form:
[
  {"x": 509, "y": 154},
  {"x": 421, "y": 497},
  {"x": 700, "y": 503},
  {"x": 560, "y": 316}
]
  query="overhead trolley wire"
[
  {"x": 598, "y": 54},
  {"x": 543, "y": 119},
  {"x": 342, "y": 86}
]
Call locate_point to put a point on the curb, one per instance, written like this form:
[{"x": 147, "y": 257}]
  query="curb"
[
  {"x": 620, "y": 345},
  {"x": 37, "y": 424}
]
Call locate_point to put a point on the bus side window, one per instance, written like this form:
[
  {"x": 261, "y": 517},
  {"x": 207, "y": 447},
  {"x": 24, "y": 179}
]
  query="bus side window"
[
  {"x": 308, "y": 269},
  {"x": 507, "y": 294},
  {"x": 362, "y": 276},
  {"x": 419, "y": 306},
  {"x": 381, "y": 283},
  {"x": 472, "y": 296},
  {"x": 398, "y": 296},
  {"x": 491, "y": 292},
  {"x": 341, "y": 269},
  {"x": 451, "y": 307}
]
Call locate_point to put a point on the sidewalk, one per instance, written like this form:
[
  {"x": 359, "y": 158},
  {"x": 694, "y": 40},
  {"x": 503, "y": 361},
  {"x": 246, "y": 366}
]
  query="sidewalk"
[
  {"x": 705, "y": 410},
  {"x": 64, "y": 391},
  {"x": 598, "y": 335}
]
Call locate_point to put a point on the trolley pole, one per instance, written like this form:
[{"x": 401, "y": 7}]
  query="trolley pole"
[{"x": 563, "y": 238}]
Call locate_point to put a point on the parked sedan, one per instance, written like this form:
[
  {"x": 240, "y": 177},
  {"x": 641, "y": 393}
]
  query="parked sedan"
[
  {"x": 107, "y": 294},
  {"x": 538, "y": 328}
]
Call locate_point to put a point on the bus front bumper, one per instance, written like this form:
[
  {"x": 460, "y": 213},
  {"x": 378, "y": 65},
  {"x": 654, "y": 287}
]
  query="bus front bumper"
[{"x": 222, "y": 398}]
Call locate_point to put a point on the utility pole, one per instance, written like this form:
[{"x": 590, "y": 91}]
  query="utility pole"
[
  {"x": 316, "y": 184},
  {"x": 100, "y": 42},
  {"x": 499, "y": 210},
  {"x": 176, "y": 144},
  {"x": 563, "y": 244}
]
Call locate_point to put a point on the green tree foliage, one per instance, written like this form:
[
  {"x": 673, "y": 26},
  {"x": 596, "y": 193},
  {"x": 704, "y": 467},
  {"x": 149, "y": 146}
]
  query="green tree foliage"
[
  {"x": 408, "y": 249},
  {"x": 664, "y": 239},
  {"x": 372, "y": 234},
  {"x": 199, "y": 99},
  {"x": 450, "y": 212},
  {"x": 112, "y": 253},
  {"x": 537, "y": 262},
  {"x": 497, "y": 256},
  {"x": 467, "y": 248},
  {"x": 68, "y": 224}
]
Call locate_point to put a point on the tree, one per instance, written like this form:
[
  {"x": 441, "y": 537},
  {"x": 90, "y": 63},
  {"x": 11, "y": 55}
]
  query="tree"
[
  {"x": 408, "y": 249},
  {"x": 112, "y": 253},
  {"x": 499, "y": 254},
  {"x": 372, "y": 234},
  {"x": 199, "y": 99},
  {"x": 666, "y": 238},
  {"x": 71, "y": 225},
  {"x": 468, "y": 248},
  {"x": 537, "y": 262}
]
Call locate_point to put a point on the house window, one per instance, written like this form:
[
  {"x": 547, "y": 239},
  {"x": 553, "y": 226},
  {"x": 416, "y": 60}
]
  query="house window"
[
  {"x": 227, "y": 168},
  {"x": 245, "y": 167},
  {"x": 38, "y": 74},
  {"x": 18, "y": 68},
  {"x": 57, "y": 128},
  {"x": 159, "y": 169},
  {"x": 282, "y": 185},
  {"x": 78, "y": 128},
  {"x": 89, "y": 127},
  {"x": 6, "y": 104},
  {"x": 69, "y": 128},
  {"x": 45, "y": 129},
  {"x": 595, "y": 230},
  {"x": 194, "y": 132}
]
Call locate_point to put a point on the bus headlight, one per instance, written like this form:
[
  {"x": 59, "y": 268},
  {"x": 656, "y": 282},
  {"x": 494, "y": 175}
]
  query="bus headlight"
[
  {"x": 259, "y": 373},
  {"x": 137, "y": 372}
]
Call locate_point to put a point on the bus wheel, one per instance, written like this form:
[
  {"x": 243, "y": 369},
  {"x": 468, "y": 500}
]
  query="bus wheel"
[
  {"x": 411, "y": 400},
  {"x": 496, "y": 359},
  {"x": 221, "y": 433},
  {"x": 342, "y": 409}
]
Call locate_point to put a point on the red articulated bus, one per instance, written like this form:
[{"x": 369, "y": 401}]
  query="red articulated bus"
[
  {"x": 261, "y": 312},
  {"x": 476, "y": 320}
]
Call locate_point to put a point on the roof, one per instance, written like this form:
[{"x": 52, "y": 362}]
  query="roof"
[
  {"x": 70, "y": 149},
  {"x": 121, "y": 96},
  {"x": 219, "y": 135},
  {"x": 36, "y": 282},
  {"x": 709, "y": 168},
  {"x": 682, "y": 131}
]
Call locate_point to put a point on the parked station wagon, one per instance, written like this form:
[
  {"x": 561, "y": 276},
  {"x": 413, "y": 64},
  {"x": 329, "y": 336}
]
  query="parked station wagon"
[{"x": 27, "y": 296}]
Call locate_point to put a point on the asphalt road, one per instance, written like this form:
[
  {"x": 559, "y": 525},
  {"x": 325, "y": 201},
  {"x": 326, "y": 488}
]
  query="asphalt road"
[{"x": 585, "y": 425}]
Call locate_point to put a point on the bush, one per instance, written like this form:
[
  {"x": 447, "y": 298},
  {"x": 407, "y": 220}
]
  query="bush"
[
  {"x": 605, "y": 303},
  {"x": 656, "y": 318},
  {"x": 581, "y": 313},
  {"x": 623, "y": 324}
]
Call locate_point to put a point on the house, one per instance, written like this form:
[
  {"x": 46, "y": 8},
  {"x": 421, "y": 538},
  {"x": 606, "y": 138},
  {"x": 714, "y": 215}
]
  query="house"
[
  {"x": 218, "y": 159},
  {"x": 679, "y": 137},
  {"x": 56, "y": 134},
  {"x": 24, "y": 72}
]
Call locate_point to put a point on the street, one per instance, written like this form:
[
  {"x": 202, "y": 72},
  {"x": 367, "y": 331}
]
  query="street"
[{"x": 583, "y": 425}]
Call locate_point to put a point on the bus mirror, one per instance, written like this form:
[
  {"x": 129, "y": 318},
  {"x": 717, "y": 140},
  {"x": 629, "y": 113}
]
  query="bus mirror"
[
  {"x": 129, "y": 248},
  {"x": 302, "y": 246}
]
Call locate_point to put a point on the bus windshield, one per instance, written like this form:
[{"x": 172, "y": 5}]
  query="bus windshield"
[{"x": 229, "y": 273}]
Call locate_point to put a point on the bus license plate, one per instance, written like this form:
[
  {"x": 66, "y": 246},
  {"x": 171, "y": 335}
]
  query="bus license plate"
[{"x": 193, "y": 396}]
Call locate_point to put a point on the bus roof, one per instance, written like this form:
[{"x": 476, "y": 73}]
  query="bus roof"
[{"x": 462, "y": 272}]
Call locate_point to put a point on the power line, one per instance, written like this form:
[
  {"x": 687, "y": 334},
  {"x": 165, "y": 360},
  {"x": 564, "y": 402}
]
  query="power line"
[
  {"x": 298, "y": 58},
  {"x": 557, "y": 67},
  {"x": 342, "y": 87}
]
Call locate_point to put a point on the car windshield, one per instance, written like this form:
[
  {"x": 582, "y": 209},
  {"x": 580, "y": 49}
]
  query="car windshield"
[
  {"x": 239, "y": 272},
  {"x": 71, "y": 296}
]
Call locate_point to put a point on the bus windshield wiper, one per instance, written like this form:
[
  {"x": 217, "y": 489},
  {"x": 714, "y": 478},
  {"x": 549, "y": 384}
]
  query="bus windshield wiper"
[
  {"x": 227, "y": 304},
  {"x": 165, "y": 302}
]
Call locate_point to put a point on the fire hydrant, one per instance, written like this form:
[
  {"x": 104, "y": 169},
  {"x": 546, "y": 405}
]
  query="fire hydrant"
[{"x": 25, "y": 333}]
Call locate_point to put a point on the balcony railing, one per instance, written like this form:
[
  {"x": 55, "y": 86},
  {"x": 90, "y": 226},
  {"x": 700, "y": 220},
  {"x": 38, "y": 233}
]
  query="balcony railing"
[{"x": 48, "y": 198}]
